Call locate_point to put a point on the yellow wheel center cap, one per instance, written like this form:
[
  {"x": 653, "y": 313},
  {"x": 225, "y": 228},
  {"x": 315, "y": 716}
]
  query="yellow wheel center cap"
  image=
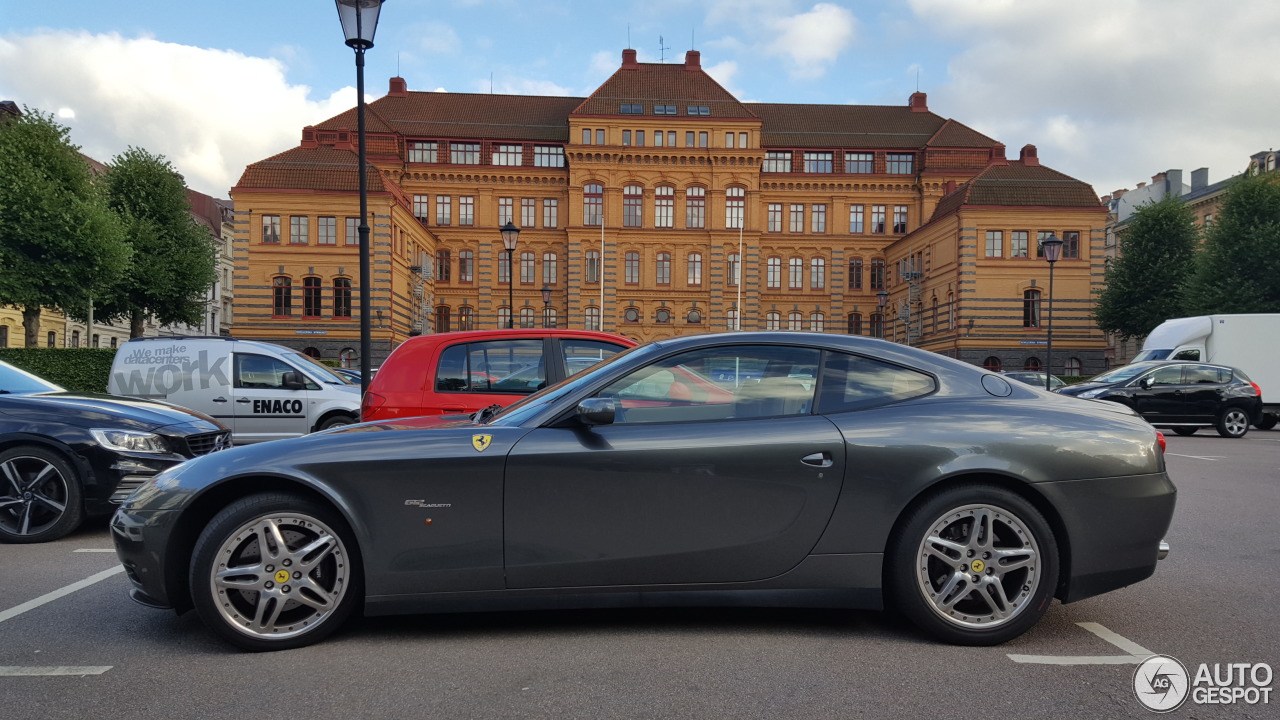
[
  {"x": 282, "y": 576},
  {"x": 977, "y": 565}
]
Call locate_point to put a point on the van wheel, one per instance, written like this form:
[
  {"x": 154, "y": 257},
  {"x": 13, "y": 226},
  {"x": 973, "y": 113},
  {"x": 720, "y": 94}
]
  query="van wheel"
[
  {"x": 1233, "y": 423},
  {"x": 40, "y": 496},
  {"x": 337, "y": 421},
  {"x": 1184, "y": 431},
  {"x": 1267, "y": 422}
]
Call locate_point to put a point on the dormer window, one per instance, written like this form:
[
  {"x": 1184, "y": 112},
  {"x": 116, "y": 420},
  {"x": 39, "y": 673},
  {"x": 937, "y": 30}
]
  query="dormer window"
[
  {"x": 664, "y": 109},
  {"x": 698, "y": 110},
  {"x": 630, "y": 109}
]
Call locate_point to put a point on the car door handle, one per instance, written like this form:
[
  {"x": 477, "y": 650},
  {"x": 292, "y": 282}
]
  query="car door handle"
[
  {"x": 818, "y": 459},
  {"x": 243, "y": 400},
  {"x": 219, "y": 399}
]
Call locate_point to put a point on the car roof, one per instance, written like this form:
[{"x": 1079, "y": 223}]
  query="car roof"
[{"x": 499, "y": 333}]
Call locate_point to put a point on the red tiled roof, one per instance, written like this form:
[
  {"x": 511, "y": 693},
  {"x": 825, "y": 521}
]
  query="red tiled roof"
[
  {"x": 319, "y": 168},
  {"x": 847, "y": 126},
  {"x": 465, "y": 115},
  {"x": 955, "y": 134},
  {"x": 664, "y": 84},
  {"x": 1019, "y": 185}
]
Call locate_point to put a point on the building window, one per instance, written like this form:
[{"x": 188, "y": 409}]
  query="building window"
[
  {"x": 735, "y": 202},
  {"x": 327, "y": 230},
  {"x": 282, "y": 297},
  {"x": 899, "y": 219},
  {"x": 951, "y": 311},
  {"x": 442, "y": 318},
  {"x": 593, "y": 266},
  {"x": 550, "y": 213},
  {"x": 508, "y": 155},
  {"x": 877, "y": 218},
  {"x": 877, "y": 274},
  {"x": 1031, "y": 309},
  {"x": 1071, "y": 245},
  {"x": 795, "y": 273},
  {"x": 528, "y": 212},
  {"x": 818, "y": 219},
  {"x": 75, "y": 338},
  {"x": 1031, "y": 363},
  {"x": 855, "y": 274},
  {"x": 695, "y": 269},
  {"x": 311, "y": 297},
  {"x": 353, "y": 231},
  {"x": 731, "y": 319},
  {"x": 900, "y": 163},
  {"x": 995, "y": 243},
  {"x": 664, "y": 109},
  {"x": 599, "y": 136},
  {"x": 795, "y": 320},
  {"x": 271, "y": 229},
  {"x": 817, "y": 273},
  {"x": 526, "y": 317},
  {"x": 52, "y": 340},
  {"x": 640, "y": 138},
  {"x": 443, "y": 265},
  {"x": 778, "y": 161},
  {"x": 504, "y": 267},
  {"x": 4, "y": 336},
  {"x": 797, "y": 218},
  {"x": 992, "y": 363},
  {"x": 698, "y": 110},
  {"x": 586, "y": 136},
  {"x": 632, "y": 206},
  {"x": 631, "y": 109},
  {"x": 728, "y": 140},
  {"x": 855, "y": 324},
  {"x": 693, "y": 317},
  {"x": 341, "y": 298},
  {"x": 742, "y": 140},
  {"x": 527, "y": 269},
  {"x": 859, "y": 163},
  {"x": 422, "y": 152},
  {"x": 593, "y": 204},
  {"x": 631, "y": 267},
  {"x": 466, "y": 266},
  {"x": 856, "y": 218},
  {"x": 631, "y": 315},
  {"x": 817, "y": 322},
  {"x": 664, "y": 206},
  {"x": 1018, "y": 244},
  {"x": 735, "y": 269},
  {"x": 550, "y": 268},
  {"x": 773, "y": 217},
  {"x": 626, "y": 138},
  {"x": 1041, "y": 236},
  {"x": 657, "y": 138},
  {"x": 444, "y": 208},
  {"x": 466, "y": 210},
  {"x": 688, "y": 138},
  {"x": 1074, "y": 367},
  {"x": 466, "y": 318},
  {"x": 506, "y": 210},
  {"x": 773, "y": 273},
  {"x": 773, "y": 320},
  {"x": 663, "y": 316},
  {"x": 695, "y": 207},
  {"x": 663, "y": 269},
  {"x": 818, "y": 162},
  {"x": 877, "y": 325},
  {"x": 548, "y": 156},
  {"x": 464, "y": 153},
  {"x": 548, "y": 317},
  {"x": 591, "y": 318},
  {"x": 703, "y": 139},
  {"x": 504, "y": 316}
]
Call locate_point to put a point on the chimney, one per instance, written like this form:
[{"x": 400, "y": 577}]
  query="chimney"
[
  {"x": 949, "y": 187},
  {"x": 1118, "y": 193},
  {"x": 309, "y": 137},
  {"x": 1173, "y": 183},
  {"x": 919, "y": 102},
  {"x": 1157, "y": 178},
  {"x": 1199, "y": 179},
  {"x": 1028, "y": 156},
  {"x": 1140, "y": 186},
  {"x": 399, "y": 88},
  {"x": 693, "y": 60},
  {"x": 997, "y": 155},
  {"x": 629, "y": 60}
]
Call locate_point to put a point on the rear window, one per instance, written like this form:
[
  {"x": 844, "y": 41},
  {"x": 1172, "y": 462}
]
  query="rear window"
[
  {"x": 853, "y": 382},
  {"x": 503, "y": 366}
]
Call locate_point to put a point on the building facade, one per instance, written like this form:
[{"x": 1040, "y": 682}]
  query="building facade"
[{"x": 662, "y": 205}]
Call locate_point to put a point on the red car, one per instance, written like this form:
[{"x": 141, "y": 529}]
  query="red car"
[{"x": 463, "y": 372}]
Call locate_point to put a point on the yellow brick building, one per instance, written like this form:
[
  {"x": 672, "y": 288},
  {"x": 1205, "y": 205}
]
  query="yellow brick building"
[{"x": 662, "y": 205}]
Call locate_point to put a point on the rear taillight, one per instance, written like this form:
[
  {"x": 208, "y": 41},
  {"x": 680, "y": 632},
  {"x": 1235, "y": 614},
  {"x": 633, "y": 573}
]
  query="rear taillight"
[
  {"x": 1160, "y": 439},
  {"x": 1257, "y": 390},
  {"x": 371, "y": 402}
]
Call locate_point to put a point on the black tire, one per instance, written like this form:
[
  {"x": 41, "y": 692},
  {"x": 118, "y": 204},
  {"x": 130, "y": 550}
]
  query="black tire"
[
  {"x": 1184, "y": 431},
  {"x": 286, "y": 598},
  {"x": 1233, "y": 422},
  {"x": 1267, "y": 422},
  {"x": 337, "y": 421},
  {"x": 40, "y": 495},
  {"x": 931, "y": 583}
]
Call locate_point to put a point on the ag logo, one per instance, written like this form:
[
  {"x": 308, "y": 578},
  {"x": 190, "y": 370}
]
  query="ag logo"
[
  {"x": 1161, "y": 683},
  {"x": 481, "y": 442}
]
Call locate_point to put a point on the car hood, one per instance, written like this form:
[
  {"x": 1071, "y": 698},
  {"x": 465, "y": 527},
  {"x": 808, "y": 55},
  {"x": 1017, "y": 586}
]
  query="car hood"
[
  {"x": 1078, "y": 388},
  {"x": 94, "y": 409}
]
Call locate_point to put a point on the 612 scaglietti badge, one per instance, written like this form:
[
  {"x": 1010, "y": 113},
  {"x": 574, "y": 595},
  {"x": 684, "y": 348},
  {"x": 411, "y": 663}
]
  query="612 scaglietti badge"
[{"x": 777, "y": 468}]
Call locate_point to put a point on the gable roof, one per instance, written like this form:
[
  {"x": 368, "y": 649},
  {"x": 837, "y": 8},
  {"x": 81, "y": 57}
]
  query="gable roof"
[
  {"x": 665, "y": 84},
  {"x": 464, "y": 115},
  {"x": 322, "y": 168},
  {"x": 1018, "y": 184}
]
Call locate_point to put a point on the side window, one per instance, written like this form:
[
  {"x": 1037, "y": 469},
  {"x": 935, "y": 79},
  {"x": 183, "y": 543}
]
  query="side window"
[
  {"x": 497, "y": 366},
  {"x": 260, "y": 372},
  {"x": 1187, "y": 355},
  {"x": 852, "y": 382},
  {"x": 1168, "y": 375},
  {"x": 722, "y": 383},
  {"x": 1202, "y": 374},
  {"x": 582, "y": 354}
]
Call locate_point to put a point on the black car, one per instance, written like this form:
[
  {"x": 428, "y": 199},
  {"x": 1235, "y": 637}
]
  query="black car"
[
  {"x": 66, "y": 455},
  {"x": 737, "y": 468},
  {"x": 1183, "y": 396}
]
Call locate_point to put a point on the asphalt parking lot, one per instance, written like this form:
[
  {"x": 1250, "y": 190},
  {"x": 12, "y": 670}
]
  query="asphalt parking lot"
[{"x": 72, "y": 645}]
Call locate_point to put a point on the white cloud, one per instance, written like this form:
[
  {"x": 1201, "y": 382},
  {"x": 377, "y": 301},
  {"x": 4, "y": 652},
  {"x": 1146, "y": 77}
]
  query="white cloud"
[
  {"x": 210, "y": 112},
  {"x": 813, "y": 40},
  {"x": 439, "y": 38}
]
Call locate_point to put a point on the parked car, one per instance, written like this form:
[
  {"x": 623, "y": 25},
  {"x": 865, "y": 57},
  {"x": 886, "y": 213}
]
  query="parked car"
[
  {"x": 462, "y": 372},
  {"x": 64, "y": 455},
  {"x": 262, "y": 390},
  {"x": 1034, "y": 377},
  {"x": 1184, "y": 396},
  {"x": 803, "y": 468},
  {"x": 351, "y": 377}
]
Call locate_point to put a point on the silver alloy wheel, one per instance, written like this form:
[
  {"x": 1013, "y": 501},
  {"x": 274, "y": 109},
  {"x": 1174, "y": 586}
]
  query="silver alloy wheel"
[
  {"x": 979, "y": 566},
  {"x": 279, "y": 575},
  {"x": 1236, "y": 422},
  {"x": 33, "y": 495}
]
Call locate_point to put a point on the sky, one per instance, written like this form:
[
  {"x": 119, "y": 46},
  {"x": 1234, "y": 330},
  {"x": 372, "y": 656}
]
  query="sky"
[{"x": 1110, "y": 91}]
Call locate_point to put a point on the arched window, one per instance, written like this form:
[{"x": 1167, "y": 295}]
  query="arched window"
[
  {"x": 347, "y": 357},
  {"x": 527, "y": 271},
  {"x": 442, "y": 318},
  {"x": 735, "y": 202},
  {"x": 877, "y": 325},
  {"x": 341, "y": 297},
  {"x": 282, "y": 297},
  {"x": 548, "y": 317},
  {"x": 695, "y": 269},
  {"x": 773, "y": 273},
  {"x": 593, "y": 266},
  {"x": 1074, "y": 367},
  {"x": 664, "y": 206},
  {"x": 311, "y": 352},
  {"x": 1031, "y": 363},
  {"x": 632, "y": 206},
  {"x": 1031, "y": 308},
  {"x": 591, "y": 318},
  {"x": 592, "y": 204},
  {"x": 817, "y": 273},
  {"x": 467, "y": 266},
  {"x": 731, "y": 320},
  {"x": 735, "y": 269},
  {"x": 773, "y": 320},
  {"x": 855, "y": 324},
  {"x": 504, "y": 316},
  {"x": 550, "y": 268},
  {"x": 795, "y": 320},
  {"x": 855, "y": 274},
  {"x": 817, "y": 322},
  {"x": 631, "y": 267},
  {"x": 695, "y": 208},
  {"x": 526, "y": 317},
  {"x": 935, "y": 313},
  {"x": 504, "y": 267},
  {"x": 663, "y": 269},
  {"x": 992, "y": 363},
  {"x": 877, "y": 274},
  {"x": 795, "y": 273},
  {"x": 951, "y": 311},
  {"x": 311, "y": 297},
  {"x": 466, "y": 318}
]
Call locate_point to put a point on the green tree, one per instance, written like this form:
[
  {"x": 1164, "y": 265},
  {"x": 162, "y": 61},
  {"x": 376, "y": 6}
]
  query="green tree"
[
  {"x": 1146, "y": 283},
  {"x": 174, "y": 260},
  {"x": 59, "y": 243},
  {"x": 1238, "y": 270}
]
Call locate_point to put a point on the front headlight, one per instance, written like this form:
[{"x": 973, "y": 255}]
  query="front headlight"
[
  {"x": 130, "y": 440},
  {"x": 1091, "y": 393}
]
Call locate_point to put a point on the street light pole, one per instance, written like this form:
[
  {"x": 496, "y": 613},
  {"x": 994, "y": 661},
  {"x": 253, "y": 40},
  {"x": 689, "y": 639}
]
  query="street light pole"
[
  {"x": 1052, "y": 248},
  {"x": 546, "y": 305},
  {"x": 882, "y": 299},
  {"x": 510, "y": 237},
  {"x": 359, "y": 23}
]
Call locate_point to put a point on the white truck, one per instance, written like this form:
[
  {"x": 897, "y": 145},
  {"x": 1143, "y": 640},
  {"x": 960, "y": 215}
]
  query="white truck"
[{"x": 1248, "y": 342}]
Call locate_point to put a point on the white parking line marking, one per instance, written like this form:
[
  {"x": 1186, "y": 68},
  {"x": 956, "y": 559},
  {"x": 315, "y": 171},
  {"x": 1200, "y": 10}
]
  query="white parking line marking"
[
  {"x": 95, "y": 550},
  {"x": 50, "y": 597},
  {"x": 16, "y": 671},
  {"x": 1215, "y": 458},
  {"x": 1136, "y": 653}
]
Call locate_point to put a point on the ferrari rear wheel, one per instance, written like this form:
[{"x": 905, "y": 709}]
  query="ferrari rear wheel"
[
  {"x": 275, "y": 571},
  {"x": 974, "y": 565}
]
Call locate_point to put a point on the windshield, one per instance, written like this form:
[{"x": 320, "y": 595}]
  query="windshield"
[
  {"x": 1153, "y": 354},
  {"x": 20, "y": 382},
  {"x": 1123, "y": 373},
  {"x": 316, "y": 369}
]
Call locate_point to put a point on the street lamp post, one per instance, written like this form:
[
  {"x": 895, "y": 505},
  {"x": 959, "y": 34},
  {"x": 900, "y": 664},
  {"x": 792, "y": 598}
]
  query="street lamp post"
[
  {"x": 359, "y": 23},
  {"x": 882, "y": 300},
  {"x": 1052, "y": 248},
  {"x": 510, "y": 236},
  {"x": 546, "y": 304}
]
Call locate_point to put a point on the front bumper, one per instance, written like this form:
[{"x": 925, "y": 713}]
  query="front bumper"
[{"x": 140, "y": 545}]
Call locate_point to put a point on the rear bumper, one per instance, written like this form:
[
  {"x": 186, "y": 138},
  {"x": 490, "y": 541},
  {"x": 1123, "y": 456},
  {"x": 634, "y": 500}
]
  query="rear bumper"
[{"x": 1115, "y": 529}]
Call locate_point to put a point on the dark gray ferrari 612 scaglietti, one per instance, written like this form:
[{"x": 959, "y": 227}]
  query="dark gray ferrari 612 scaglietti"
[{"x": 772, "y": 469}]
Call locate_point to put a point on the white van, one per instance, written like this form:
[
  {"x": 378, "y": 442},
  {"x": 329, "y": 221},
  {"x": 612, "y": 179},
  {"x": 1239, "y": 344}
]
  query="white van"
[{"x": 260, "y": 390}]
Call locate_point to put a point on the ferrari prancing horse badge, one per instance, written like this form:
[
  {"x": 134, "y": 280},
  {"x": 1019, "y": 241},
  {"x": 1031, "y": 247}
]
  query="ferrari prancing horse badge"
[{"x": 481, "y": 442}]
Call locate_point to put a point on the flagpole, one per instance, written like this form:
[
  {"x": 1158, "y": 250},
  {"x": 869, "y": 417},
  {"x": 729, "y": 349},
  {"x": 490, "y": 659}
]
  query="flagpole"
[
  {"x": 737, "y": 323},
  {"x": 600, "y": 270}
]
